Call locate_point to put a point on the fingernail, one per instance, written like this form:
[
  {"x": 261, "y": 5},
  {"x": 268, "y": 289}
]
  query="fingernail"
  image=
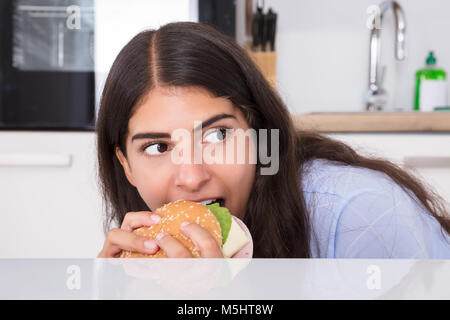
[
  {"x": 160, "y": 236},
  {"x": 155, "y": 218},
  {"x": 150, "y": 244},
  {"x": 184, "y": 224}
]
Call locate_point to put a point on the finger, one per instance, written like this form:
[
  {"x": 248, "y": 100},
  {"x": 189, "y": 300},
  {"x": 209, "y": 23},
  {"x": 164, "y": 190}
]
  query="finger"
[
  {"x": 134, "y": 220},
  {"x": 118, "y": 240},
  {"x": 172, "y": 247},
  {"x": 202, "y": 239}
]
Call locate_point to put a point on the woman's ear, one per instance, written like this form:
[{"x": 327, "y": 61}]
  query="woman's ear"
[{"x": 126, "y": 167}]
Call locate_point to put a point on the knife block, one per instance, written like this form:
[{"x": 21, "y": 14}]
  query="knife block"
[{"x": 266, "y": 62}]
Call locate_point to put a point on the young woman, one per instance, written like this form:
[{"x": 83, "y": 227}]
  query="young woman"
[{"x": 325, "y": 200}]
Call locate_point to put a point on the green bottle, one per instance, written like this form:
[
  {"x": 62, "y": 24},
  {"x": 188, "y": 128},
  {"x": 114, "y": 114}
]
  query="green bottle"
[{"x": 431, "y": 86}]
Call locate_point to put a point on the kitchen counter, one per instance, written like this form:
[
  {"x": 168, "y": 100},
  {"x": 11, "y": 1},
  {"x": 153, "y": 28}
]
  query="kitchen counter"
[
  {"x": 224, "y": 279},
  {"x": 438, "y": 121}
]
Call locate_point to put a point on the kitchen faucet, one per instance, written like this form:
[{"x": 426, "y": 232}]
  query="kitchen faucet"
[{"x": 377, "y": 96}]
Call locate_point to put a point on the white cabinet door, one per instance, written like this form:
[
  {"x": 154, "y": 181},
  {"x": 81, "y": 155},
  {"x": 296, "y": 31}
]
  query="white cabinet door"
[
  {"x": 426, "y": 155},
  {"x": 50, "y": 205}
]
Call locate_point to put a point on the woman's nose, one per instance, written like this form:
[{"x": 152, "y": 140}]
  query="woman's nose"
[{"x": 192, "y": 177}]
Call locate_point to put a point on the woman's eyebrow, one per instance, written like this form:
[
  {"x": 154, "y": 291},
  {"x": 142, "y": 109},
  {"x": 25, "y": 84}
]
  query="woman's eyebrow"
[
  {"x": 213, "y": 119},
  {"x": 150, "y": 135},
  {"x": 160, "y": 135}
]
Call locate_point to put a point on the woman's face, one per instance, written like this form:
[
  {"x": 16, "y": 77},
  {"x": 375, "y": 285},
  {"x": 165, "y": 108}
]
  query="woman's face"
[{"x": 150, "y": 165}]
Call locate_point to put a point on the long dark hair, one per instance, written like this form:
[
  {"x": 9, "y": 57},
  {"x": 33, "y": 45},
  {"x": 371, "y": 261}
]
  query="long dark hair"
[{"x": 194, "y": 54}]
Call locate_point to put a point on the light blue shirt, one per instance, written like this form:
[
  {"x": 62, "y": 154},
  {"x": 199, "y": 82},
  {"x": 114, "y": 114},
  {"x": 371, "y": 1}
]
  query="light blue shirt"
[{"x": 362, "y": 213}]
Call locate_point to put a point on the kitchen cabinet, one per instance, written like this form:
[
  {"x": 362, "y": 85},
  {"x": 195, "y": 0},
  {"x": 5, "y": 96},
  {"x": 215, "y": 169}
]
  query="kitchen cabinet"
[
  {"x": 427, "y": 155},
  {"x": 50, "y": 205}
]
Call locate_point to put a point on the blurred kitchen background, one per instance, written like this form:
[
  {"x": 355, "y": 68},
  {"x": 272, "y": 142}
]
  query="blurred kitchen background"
[{"x": 55, "y": 56}]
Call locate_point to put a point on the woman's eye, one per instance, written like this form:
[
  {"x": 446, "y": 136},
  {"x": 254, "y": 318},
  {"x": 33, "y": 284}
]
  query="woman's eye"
[
  {"x": 216, "y": 135},
  {"x": 156, "y": 148}
]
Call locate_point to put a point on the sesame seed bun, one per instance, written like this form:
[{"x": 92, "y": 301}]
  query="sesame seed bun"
[{"x": 172, "y": 216}]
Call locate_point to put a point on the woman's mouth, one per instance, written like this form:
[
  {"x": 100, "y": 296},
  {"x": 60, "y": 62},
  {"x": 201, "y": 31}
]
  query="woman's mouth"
[{"x": 220, "y": 201}]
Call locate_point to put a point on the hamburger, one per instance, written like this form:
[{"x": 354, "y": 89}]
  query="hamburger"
[{"x": 230, "y": 232}]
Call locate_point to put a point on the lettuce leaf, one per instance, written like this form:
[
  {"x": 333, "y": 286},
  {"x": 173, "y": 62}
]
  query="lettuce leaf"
[{"x": 224, "y": 217}]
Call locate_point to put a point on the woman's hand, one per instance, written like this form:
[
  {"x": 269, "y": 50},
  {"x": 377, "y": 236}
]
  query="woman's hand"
[
  {"x": 124, "y": 239},
  {"x": 201, "y": 238}
]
